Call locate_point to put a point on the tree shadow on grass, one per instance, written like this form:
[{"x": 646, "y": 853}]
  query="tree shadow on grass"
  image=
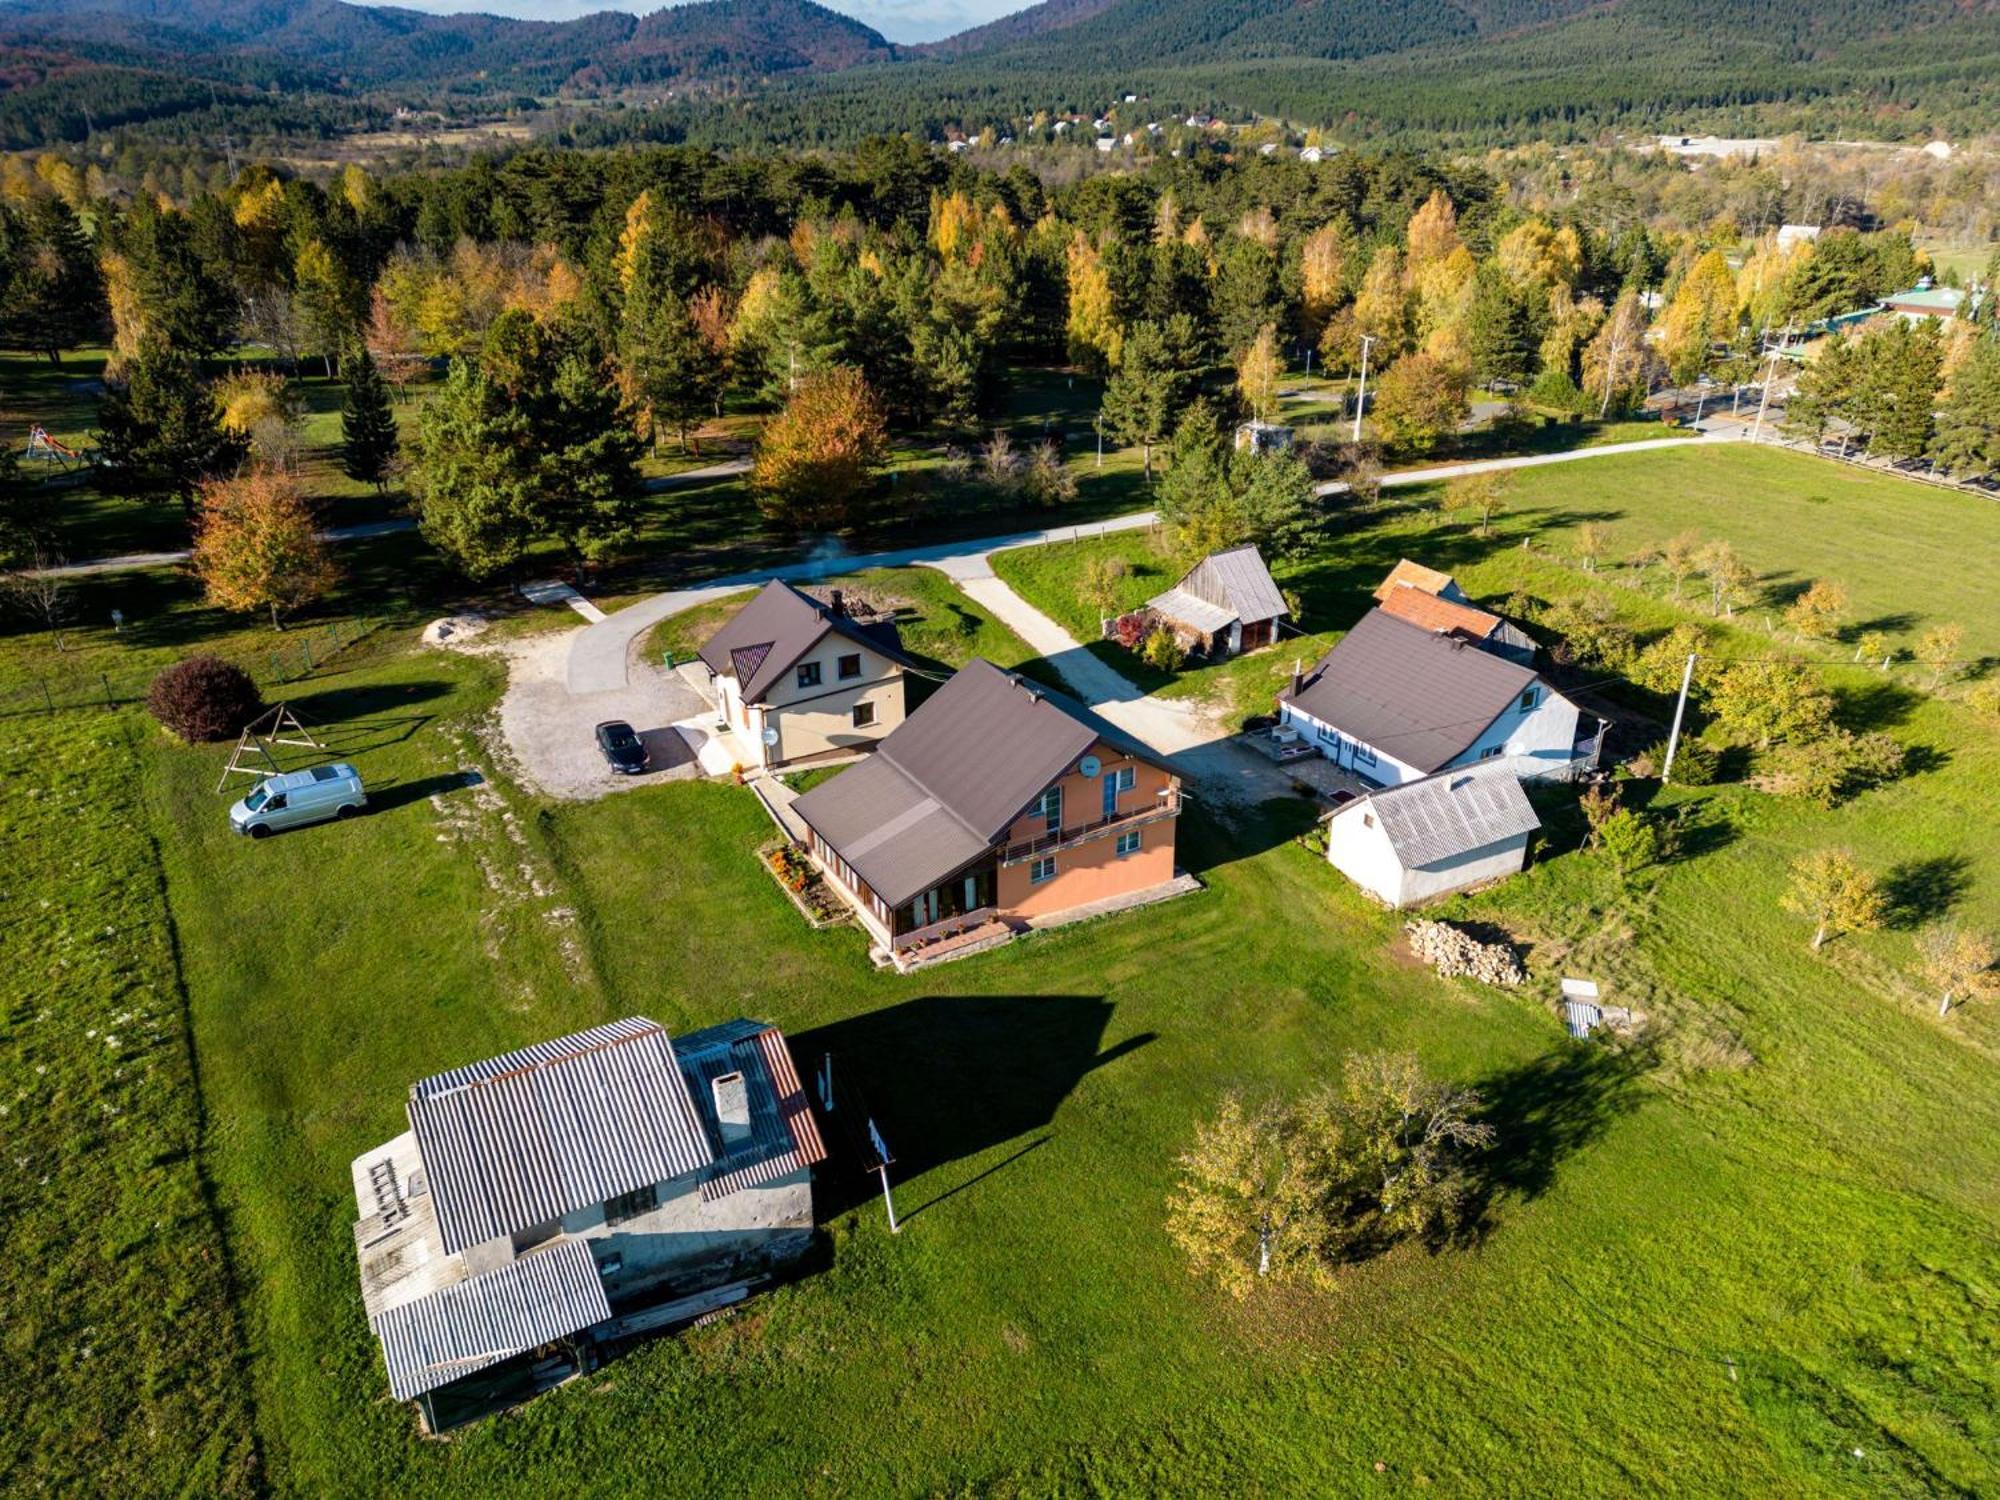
[
  {"x": 1543, "y": 1112},
  {"x": 403, "y": 793},
  {"x": 1876, "y": 706},
  {"x": 950, "y": 1077},
  {"x": 1922, "y": 890}
]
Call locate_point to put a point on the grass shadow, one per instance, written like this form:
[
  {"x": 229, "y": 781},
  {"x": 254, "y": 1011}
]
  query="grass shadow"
[{"x": 1543, "y": 1112}]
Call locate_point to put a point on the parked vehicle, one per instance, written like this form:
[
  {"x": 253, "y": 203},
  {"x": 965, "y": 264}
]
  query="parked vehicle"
[
  {"x": 297, "y": 798},
  {"x": 623, "y": 750}
]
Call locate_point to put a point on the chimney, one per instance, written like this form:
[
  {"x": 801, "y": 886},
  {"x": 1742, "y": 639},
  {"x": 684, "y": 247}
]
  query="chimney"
[
  {"x": 837, "y": 605},
  {"x": 732, "y": 1107},
  {"x": 1298, "y": 676}
]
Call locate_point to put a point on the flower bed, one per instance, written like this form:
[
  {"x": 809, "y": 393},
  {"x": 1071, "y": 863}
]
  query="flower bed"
[{"x": 801, "y": 880}]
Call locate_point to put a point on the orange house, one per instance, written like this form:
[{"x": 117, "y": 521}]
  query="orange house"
[{"x": 997, "y": 805}]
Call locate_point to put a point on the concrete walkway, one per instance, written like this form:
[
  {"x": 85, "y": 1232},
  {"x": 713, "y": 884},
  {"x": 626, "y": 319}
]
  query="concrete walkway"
[
  {"x": 1403, "y": 477},
  {"x": 599, "y": 654},
  {"x": 129, "y": 562}
]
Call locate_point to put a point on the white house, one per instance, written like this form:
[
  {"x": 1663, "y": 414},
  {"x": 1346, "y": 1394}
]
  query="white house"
[
  {"x": 796, "y": 677},
  {"x": 1394, "y": 702},
  {"x": 1427, "y": 838},
  {"x": 540, "y": 1197}
]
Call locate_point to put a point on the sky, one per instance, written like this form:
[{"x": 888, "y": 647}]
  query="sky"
[{"x": 898, "y": 20}]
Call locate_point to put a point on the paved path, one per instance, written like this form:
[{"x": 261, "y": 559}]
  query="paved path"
[
  {"x": 728, "y": 468},
  {"x": 1402, "y": 477},
  {"x": 132, "y": 561},
  {"x": 599, "y": 654}
]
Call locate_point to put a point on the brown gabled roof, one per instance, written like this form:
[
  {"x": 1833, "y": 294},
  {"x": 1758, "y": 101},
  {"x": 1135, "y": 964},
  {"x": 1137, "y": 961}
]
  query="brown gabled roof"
[
  {"x": 1420, "y": 697},
  {"x": 1443, "y": 616},
  {"x": 1417, "y": 576},
  {"x": 758, "y": 644},
  {"x": 947, "y": 782}
]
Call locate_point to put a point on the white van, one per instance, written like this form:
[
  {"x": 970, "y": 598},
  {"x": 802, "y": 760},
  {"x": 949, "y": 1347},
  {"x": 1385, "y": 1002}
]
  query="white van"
[{"x": 299, "y": 797}]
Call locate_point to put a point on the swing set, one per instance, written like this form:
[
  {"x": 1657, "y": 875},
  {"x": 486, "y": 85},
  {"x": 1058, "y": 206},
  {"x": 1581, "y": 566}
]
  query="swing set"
[{"x": 252, "y": 757}]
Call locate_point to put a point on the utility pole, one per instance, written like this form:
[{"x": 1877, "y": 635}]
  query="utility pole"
[
  {"x": 1680, "y": 710},
  {"x": 1361, "y": 395},
  {"x": 1770, "y": 375}
]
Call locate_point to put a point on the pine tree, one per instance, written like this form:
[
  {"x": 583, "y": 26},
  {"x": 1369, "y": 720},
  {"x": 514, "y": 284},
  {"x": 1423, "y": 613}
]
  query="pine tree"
[
  {"x": 162, "y": 432},
  {"x": 1139, "y": 398},
  {"x": 1968, "y": 428},
  {"x": 368, "y": 438},
  {"x": 1900, "y": 367},
  {"x": 54, "y": 297}
]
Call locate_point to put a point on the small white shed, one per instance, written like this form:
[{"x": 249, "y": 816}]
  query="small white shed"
[{"x": 1413, "y": 843}]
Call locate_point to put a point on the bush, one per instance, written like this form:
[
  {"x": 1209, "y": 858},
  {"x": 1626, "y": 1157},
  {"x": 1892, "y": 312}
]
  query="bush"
[
  {"x": 1695, "y": 764},
  {"x": 1163, "y": 653},
  {"x": 204, "y": 698},
  {"x": 1554, "y": 390}
]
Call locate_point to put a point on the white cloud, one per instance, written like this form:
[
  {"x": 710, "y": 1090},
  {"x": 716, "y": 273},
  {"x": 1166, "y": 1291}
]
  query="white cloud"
[{"x": 898, "y": 20}]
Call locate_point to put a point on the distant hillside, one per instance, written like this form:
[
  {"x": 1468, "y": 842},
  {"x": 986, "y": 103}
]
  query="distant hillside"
[
  {"x": 1021, "y": 26},
  {"x": 381, "y": 45}
]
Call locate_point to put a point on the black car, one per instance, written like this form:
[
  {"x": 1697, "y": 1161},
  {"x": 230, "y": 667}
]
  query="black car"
[{"x": 623, "y": 750}]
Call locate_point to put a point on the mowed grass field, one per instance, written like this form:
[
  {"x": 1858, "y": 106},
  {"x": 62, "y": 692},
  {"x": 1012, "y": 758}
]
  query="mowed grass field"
[{"x": 1763, "y": 1260}]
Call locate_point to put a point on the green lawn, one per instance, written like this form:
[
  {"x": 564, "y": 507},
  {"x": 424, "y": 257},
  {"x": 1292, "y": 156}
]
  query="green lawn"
[
  {"x": 941, "y": 629},
  {"x": 1759, "y": 1259}
]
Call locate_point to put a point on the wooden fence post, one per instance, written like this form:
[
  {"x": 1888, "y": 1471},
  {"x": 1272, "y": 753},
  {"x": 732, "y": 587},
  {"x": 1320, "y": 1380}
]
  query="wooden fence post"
[{"x": 109, "y": 702}]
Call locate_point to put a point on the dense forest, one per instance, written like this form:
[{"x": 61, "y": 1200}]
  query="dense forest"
[
  {"x": 577, "y": 305},
  {"x": 787, "y": 73}
]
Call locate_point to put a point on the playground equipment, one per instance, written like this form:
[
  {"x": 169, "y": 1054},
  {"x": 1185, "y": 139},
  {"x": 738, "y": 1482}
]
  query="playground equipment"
[
  {"x": 52, "y": 450},
  {"x": 252, "y": 756}
]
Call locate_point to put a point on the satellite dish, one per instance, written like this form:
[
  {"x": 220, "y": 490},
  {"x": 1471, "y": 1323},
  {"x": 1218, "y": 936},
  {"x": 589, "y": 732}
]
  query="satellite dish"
[
  {"x": 1090, "y": 765},
  {"x": 770, "y": 736}
]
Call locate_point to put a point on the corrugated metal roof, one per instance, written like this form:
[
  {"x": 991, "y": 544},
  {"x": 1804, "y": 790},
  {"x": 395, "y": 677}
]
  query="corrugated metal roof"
[
  {"x": 488, "y": 1318},
  {"x": 515, "y": 1141},
  {"x": 783, "y": 1135},
  {"x": 1451, "y": 814},
  {"x": 758, "y": 644},
  {"x": 1420, "y": 697}
]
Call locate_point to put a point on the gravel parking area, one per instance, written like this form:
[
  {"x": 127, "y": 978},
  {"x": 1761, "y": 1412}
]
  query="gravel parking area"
[{"x": 549, "y": 729}]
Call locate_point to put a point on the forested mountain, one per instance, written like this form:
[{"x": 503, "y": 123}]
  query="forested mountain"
[
  {"x": 381, "y": 45},
  {"x": 799, "y": 74}
]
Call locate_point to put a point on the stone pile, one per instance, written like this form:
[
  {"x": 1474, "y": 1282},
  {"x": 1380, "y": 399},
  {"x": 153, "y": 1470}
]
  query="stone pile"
[{"x": 1453, "y": 952}]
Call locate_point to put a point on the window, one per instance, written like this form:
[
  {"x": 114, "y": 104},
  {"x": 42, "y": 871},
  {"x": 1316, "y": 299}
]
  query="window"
[
  {"x": 808, "y": 674},
  {"x": 630, "y": 1205},
  {"x": 850, "y": 666},
  {"x": 1042, "y": 870},
  {"x": 1128, "y": 777},
  {"x": 1363, "y": 756},
  {"x": 864, "y": 715},
  {"x": 1115, "y": 783},
  {"x": 1128, "y": 843},
  {"x": 1489, "y": 752},
  {"x": 1530, "y": 698},
  {"x": 276, "y": 804},
  {"x": 1050, "y": 807},
  {"x": 1368, "y": 820},
  {"x": 1327, "y": 734}
]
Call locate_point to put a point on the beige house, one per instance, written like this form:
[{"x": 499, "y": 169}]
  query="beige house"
[{"x": 796, "y": 677}]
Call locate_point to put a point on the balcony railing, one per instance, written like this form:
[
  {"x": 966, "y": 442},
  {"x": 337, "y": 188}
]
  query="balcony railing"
[
  {"x": 944, "y": 927},
  {"x": 1161, "y": 807}
]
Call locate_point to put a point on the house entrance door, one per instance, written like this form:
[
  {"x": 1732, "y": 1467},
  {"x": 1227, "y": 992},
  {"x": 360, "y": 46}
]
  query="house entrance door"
[{"x": 925, "y": 908}]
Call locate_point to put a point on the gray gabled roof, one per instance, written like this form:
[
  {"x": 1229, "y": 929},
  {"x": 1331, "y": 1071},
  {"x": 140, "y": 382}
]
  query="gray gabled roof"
[
  {"x": 491, "y": 1317},
  {"x": 1234, "y": 585},
  {"x": 1451, "y": 814},
  {"x": 758, "y": 644},
  {"x": 1420, "y": 697},
  {"x": 949, "y": 780},
  {"x": 519, "y": 1140}
]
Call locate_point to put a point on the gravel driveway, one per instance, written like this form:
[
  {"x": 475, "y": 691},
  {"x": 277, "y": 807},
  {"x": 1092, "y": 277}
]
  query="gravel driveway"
[{"x": 549, "y": 729}]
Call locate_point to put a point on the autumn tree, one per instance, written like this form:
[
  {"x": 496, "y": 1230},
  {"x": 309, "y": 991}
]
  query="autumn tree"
[
  {"x": 818, "y": 459},
  {"x": 1938, "y": 649},
  {"x": 1617, "y": 363},
  {"x": 1729, "y": 578},
  {"x": 1835, "y": 894},
  {"x": 1770, "y": 700},
  {"x": 368, "y": 436},
  {"x": 1287, "y": 1190},
  {"x": 1953, "y": 959},
  {"x": 1419, "y": 402},
  {"x": 1095, "y": 337},
  {"x": 1100, "y": 585},
  {"x": 329, "y": 301},
  {"x": 1819, "y": 612},
  {"x": 256, "y": 546},
  {"x": 1258, "y": 372},
  {"x": 1701, "y": 314},
  {"x": 1482, "y": 495},
  {"x": 1680, "y": 560},
  {"x": 1323, "y": 258}
]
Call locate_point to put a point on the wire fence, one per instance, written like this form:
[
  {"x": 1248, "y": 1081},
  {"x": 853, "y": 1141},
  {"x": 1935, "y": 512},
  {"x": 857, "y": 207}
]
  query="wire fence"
[{"x": 306, "y": 652}]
